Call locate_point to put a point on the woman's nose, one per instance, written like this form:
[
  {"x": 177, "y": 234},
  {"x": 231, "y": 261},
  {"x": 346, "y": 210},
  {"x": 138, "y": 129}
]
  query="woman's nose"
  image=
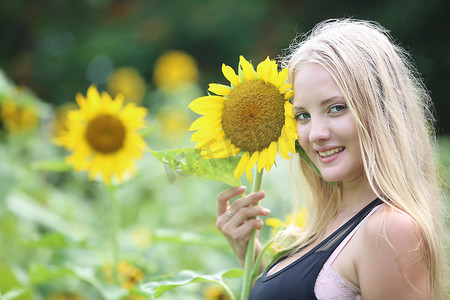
[{"x": 319, "y": 131}]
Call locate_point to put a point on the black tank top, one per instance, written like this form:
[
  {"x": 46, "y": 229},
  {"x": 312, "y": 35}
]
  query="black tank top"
[{"x": 297, "y": 280}]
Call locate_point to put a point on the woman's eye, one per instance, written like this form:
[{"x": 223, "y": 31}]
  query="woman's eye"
[
  {"x": 337, "y": 108},
  {"x": 302, "y": 116}
]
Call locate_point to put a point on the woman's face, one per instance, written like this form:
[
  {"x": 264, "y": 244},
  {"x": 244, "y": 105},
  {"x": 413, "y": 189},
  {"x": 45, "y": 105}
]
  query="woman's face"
[{"x": 326, "y": 128}]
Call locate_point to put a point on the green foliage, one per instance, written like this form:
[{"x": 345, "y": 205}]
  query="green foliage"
[
  {"x": 188, "y": 161},
  {"x": 157, "y": 288}
]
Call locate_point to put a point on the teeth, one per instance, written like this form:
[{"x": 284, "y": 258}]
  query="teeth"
[{"x": 330, "y": 152}]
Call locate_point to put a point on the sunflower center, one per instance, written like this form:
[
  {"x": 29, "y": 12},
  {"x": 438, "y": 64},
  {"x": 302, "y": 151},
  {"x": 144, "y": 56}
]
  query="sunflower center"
[
  {"x": 253, "y": 115},
  {"x": 105, "y": 134}
]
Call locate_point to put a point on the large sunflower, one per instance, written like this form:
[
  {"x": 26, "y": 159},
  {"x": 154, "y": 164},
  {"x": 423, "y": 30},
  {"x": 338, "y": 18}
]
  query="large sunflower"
[
  {"x": 252, "y": 115},
  {"x": 103, "y": 136}
]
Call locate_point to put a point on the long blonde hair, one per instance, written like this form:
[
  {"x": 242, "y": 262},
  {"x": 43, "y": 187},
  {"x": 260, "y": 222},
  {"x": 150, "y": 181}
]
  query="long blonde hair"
[{"x": 395, "y": 126}]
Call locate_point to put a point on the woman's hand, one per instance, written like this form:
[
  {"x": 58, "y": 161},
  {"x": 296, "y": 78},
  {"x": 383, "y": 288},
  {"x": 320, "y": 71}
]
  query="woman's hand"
[{"x": 233, "y": 220}]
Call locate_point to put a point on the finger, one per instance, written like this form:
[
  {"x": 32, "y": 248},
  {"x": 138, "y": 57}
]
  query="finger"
[
  {"x": 249, "y": 200},
  {"x": 224, "y": 197},
  {"x": 246, "y": 214},
  {"x": 242, "y": 232}
]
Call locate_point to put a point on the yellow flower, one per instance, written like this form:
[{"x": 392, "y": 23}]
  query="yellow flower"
[
  {"x": 18, "y": 118},
  {"x": 129, "y": 83},
  {"x": 252, "y": 115},
  {"x": 130, "y": 274},
  {"x": 214, "y": 292},
  {"x": 298, "y": 219},
  {"x": 103, "y": 136},
  {"x": 174, "y": 69},
  {"x": 174, "y": 122}
]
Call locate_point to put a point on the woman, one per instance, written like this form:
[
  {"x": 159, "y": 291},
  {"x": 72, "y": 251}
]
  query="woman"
[{"x": 363, "y": 120}]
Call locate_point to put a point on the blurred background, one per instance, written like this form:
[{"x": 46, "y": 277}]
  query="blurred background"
[{"x": 160, "y": 55}]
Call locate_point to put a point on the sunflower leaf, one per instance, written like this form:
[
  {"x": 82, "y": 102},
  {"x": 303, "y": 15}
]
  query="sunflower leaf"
[
  {"x": 189, "y": 161},
  {"x": 157, "y": 288},
  {"x": 305, "y": 157}
]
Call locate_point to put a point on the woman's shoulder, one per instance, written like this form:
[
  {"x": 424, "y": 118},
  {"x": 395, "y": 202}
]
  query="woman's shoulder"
[
  {"x": 392, "y": 257},
  {"x": 392, "y": 224}
]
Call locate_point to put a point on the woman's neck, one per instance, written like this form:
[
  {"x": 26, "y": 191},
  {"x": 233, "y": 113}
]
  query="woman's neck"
[{"x": 356, "y": 194}]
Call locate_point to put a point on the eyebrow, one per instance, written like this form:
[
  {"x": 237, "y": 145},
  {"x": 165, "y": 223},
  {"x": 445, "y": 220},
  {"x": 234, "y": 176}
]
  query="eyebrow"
[{"x": 322, "y": 103}]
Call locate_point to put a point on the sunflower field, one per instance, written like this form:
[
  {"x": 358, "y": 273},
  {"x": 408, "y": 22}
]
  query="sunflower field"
[{"x": 102, "y": 195}]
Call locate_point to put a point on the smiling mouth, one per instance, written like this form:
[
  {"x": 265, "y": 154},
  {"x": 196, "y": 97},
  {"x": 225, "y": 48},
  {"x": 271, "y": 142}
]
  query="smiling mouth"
[{"x": 331, "y": 152}]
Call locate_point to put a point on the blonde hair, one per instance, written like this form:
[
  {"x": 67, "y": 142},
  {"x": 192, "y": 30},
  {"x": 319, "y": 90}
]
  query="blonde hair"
[{"x": 395, "y": 127}]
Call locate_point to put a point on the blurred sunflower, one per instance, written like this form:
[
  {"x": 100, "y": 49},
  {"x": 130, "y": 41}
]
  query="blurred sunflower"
[
  {"x": 174, "y": 122},
  {"x": 298, "y": 219},
  {"x": 214, "y": 292},
  {"x": 252, "y": 115},
  {"x": 129, "y": 83},
  {"x": 131, "y": 274},
  {"x": 103, "y": 136},
  {"x": 17, "y": 117},
  {"x": 174, "y": 69}
]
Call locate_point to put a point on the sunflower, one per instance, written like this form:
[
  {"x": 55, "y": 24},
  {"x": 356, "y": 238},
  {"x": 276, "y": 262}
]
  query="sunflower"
[
  {"x": 128, "y": 82},
  {"x": 18, "y": 117},
  {"x": 252, "y": 116},
  {"x": 174, "y": 69},
  {"x": 103, "y": 136},
  {"x": 130, "y": 273}
]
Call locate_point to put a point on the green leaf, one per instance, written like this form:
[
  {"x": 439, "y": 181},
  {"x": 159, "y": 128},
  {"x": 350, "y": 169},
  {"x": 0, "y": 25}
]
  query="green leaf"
[
  {"x": 189, "y": 161},
  {"x": 52, "y": 240},
  {"x": 12, "y": 294},
  {"x": 157, "y": 288},
  {"x": 39, "y": 273},
  {"x": 56, "y": 165},
  {"x": 305, "y": 157},
  {"x": 189, "y": 238}
]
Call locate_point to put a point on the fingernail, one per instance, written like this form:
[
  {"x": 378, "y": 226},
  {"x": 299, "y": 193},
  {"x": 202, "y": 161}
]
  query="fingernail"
[{"x": 266, "y": 210}]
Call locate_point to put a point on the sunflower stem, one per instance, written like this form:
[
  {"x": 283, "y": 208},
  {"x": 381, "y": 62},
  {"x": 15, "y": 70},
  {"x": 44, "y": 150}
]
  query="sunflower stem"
[
  {"x": 250, "y": 252},
  {"x": 115, "y": 221}
]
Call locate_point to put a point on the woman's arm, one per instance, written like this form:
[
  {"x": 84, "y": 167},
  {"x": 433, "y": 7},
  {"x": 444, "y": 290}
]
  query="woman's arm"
[{"x": 237, "y": 228}]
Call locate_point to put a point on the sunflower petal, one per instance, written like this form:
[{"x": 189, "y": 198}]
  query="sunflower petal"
[
  {"x": 285, "y": 87},
  {"x": 262, "y": 160},
  {"x": 271, "y": 155},
  {"x": 282, "y": 145},
  {"x": 251, "y": 163},
  {"x": 229, "y": 74},
  {"x": 247, "y": 69},
  {"x": 219, "y": 89},
  {"x": 281, "y": 77},
  {"x": 205, "y": 122},
  {"x": 266, "y": 68},
  {"x": 273, "y": 222},
  {"x": 289, "y": 110},
  {"x": 219, "y": 149},
  {"x": 206, "y": 104},
  {"x": 240, "y": 168},
  {"x": 289, "y": 94}
]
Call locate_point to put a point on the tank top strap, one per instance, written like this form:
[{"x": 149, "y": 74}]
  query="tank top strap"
[
  {"x": 332, "y": 241},
  {"x": 348, "y": 237}
]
